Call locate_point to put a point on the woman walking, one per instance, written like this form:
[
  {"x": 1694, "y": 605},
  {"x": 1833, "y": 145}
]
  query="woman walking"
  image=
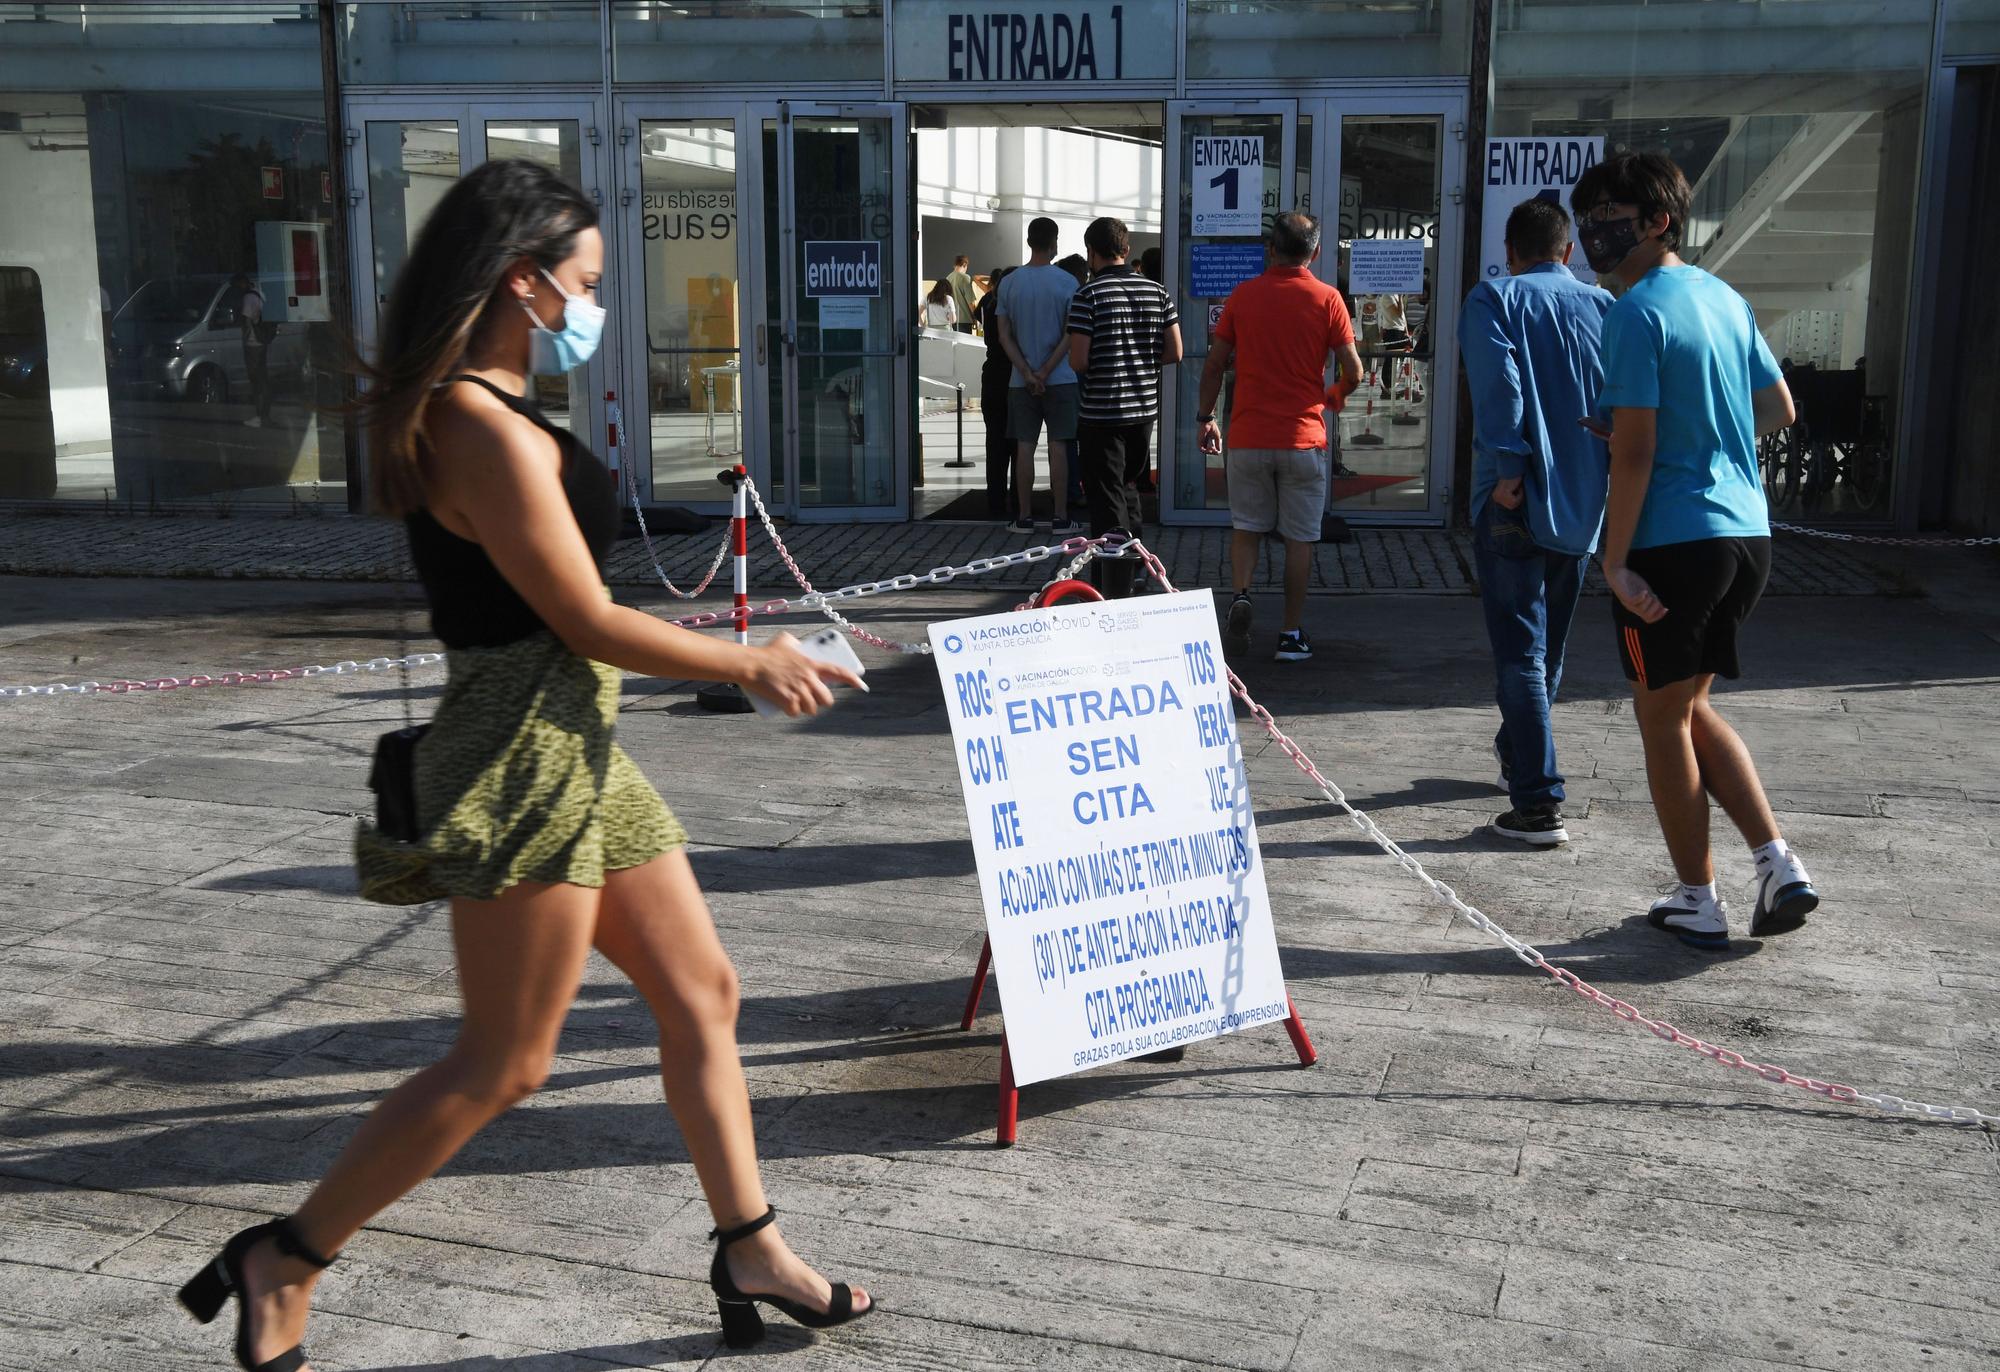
[{"x": 533, "y": 823}]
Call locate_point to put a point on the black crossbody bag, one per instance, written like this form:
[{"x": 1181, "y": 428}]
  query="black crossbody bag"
[{"x": 393, "y": 774}]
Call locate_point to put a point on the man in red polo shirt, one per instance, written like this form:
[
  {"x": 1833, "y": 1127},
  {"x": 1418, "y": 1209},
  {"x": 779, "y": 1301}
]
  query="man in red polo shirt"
[{"x": 1278, "y": 328}]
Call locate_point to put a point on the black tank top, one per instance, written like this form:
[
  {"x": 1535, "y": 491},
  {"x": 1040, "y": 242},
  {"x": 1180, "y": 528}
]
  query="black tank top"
[{"x": 472, "y": 606}]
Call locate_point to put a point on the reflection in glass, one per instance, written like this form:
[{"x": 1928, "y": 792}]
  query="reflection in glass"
[
  {"x": 690, "y": 230},
  {"x": 843, "y": 173},
  {"x": 1318, "y": 39},
  {"x": 410, "y": 167},
  {"x": 1389, "y": 179},
  {"x": 557, "y": 145},
  {"x": 721, "y": 41},
  {"x": 1800, "y": 128},
  {"x": 476, "y": 43},
  {"x": 133, "y": 227}
]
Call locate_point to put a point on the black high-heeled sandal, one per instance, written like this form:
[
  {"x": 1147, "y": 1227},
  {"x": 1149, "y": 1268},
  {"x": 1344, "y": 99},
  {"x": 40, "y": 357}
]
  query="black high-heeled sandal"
[
  {"x": 742, "y": 1325},
  {"x": 206, "y": 1292}
]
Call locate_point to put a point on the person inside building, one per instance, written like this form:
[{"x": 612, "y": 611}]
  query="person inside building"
[
  {"x": 1077, "y": 265},
  {"x": 1042, "y": 390},
  {"x": 940, "y": 309},
  {"x": 523, "y": 812},
  {"x": 1277, "y": 330},
  {"x": 994, "y": 373},
  {"x": 964, "y": 293},
  {"x": 1123, "y": 329},
  {"x": 1530, "y": 342},
  {"x": 1689, "y": 385}
]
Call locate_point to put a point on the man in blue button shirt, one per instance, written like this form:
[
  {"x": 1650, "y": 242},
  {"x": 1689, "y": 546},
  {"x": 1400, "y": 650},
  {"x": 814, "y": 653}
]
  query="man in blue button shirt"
[
  {"x": 1530, "y": 344},
  {"x": 1690, "y": 386}
]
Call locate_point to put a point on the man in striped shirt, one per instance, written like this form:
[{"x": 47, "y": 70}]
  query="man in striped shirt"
[{"x": 1123, "y": 329}]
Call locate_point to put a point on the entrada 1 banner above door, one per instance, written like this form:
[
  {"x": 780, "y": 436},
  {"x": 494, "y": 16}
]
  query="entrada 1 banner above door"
[{"x": 965, "y": 42}]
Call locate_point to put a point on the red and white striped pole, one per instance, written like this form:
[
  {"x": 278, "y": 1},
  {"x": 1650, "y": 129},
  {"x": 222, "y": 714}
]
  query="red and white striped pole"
[
  {"x": 740, "y": 514},
  {"x": 726, "y": 697}
]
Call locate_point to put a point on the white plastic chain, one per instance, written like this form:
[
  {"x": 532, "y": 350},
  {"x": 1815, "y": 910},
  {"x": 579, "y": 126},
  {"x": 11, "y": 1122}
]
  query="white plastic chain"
[
  {"x": 1533, "y": 957},
  {"x": 1886, "y": 540},
  {"x": 1084, "y": 548},
  {"x": 250, "y": 678}
]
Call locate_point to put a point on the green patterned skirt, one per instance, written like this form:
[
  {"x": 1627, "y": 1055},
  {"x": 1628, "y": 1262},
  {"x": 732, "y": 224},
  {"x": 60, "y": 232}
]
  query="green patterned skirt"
[{"x": 519, "y": 780}]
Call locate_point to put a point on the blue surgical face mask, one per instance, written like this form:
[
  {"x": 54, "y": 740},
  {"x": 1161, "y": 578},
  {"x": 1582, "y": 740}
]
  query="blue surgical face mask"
[{"x": 564, "y": 350}]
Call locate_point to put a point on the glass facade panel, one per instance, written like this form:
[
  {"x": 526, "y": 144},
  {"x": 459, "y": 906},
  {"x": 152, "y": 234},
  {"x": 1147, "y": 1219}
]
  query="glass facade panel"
[
  {"x": 687, "y": 174},
  {"x": 1199, "y": 481},
  {"x": 1800, "y": 127},
  {"x": 1318, "y": 39},
  {"x": 492, "y": 42},
  {"x": 167, "y": 279},
  {"x": 1389, "y": 179},
  {"x": 730, "y": 41},
  {"x": 1972, "y": 29},
  {"x": 842, "y": 349}
]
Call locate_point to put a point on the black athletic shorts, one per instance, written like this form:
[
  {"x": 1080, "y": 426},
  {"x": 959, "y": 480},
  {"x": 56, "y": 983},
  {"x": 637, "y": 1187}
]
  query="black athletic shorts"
[{"x": 1709, "y": 588}]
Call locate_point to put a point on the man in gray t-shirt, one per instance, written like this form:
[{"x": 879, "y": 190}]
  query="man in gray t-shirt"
[{"x": 1034, "y": 329}]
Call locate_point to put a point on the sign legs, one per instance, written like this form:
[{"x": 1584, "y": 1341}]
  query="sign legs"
[{"x": 1010, "y": 1094}]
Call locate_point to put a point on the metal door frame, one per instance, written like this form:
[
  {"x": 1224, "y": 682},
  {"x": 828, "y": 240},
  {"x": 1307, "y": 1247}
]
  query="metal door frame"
[
  {"x": 472, "y": 111},
  {"x": 1194, "y": 333},
  {"x": 1447, "y": 288},
  {"x": 629, "y": 292},
  {"x": 896, "y": 273}
]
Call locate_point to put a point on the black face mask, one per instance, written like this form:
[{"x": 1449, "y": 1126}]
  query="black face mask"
[{"x": 1607, "y": 244}]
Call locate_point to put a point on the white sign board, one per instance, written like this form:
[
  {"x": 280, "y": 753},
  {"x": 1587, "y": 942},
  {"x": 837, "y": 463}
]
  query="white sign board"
[
  {"x": 844, "y": 312},
  {"x": 1111, "y": 820},
  {"x": 1385, "y": 266},
  {"x": 1520, "y": 169},
  {"x": 1227, "y": 175}
]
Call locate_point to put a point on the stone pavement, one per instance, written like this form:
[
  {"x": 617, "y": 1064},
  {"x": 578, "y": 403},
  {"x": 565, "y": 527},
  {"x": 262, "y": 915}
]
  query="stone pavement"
[
  {"x": 342, "y": 548},
  {"x": 1482, "y": 1170}
]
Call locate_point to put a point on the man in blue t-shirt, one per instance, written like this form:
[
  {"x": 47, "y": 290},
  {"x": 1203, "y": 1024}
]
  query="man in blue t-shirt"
[{"x": 1690, "y": 386}]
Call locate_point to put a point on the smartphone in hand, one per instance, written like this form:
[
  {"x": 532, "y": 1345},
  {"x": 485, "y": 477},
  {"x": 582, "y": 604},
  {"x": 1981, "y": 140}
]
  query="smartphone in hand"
[
  {"x": 828, "y": 645},
  {"x": 1595, "y": 426}
]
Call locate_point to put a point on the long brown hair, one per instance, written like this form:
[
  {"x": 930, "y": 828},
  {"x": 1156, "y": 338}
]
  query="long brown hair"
[{"x": 489, "y": 220}]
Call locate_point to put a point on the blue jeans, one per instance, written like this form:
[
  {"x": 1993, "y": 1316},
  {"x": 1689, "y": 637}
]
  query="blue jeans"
[{"x": 1529, "y": 595}]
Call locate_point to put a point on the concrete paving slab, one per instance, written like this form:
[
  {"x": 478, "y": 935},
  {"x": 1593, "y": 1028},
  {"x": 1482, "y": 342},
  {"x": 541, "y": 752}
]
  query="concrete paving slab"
[{"x": 195, "y": 1010}]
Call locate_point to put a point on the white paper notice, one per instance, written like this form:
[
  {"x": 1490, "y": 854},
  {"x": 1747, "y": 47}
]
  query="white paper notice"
[
  {"x": 1385, "y": 266},
  {"x": 1111, "y": 820},
  {"x": 1227, "y": 177}
]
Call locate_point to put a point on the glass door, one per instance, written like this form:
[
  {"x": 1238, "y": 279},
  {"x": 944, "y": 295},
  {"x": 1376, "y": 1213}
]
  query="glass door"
[
  {"x": 840, "y": 303},
  {"x": 1234, "y": 166},
  {"x": 403, "y": 157},
  {"x": 687, "y": 257},
  {"x": 1394, "y": 166}
]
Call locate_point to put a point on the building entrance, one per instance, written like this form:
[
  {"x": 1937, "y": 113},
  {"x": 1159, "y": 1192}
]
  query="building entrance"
[{"x": 769, "y": 262}]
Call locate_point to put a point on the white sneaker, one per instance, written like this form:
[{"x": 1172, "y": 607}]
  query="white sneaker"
[
  {"x": 1698, "y": 921},
  {"x": 1785, "y": 895}
]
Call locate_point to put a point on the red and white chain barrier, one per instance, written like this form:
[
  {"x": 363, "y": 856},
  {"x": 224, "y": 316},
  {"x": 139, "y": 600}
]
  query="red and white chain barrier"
[
  {"x": 250, "y": 678},
  {"x": 1533, "y": 957},
  {"x": 1082, "y": 550},
  {"x": 1885, "y": 540}
]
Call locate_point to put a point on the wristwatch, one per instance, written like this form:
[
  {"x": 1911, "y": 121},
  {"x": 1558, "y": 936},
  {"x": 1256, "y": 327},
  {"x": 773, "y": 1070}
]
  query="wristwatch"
[{"x": 1204, "y": 419}]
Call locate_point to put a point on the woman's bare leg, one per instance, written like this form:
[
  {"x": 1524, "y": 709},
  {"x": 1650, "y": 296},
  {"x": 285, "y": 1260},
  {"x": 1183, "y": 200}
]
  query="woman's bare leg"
[
  {"x": 520, "y": 960},
  {"x": 656, "y": 927}
]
